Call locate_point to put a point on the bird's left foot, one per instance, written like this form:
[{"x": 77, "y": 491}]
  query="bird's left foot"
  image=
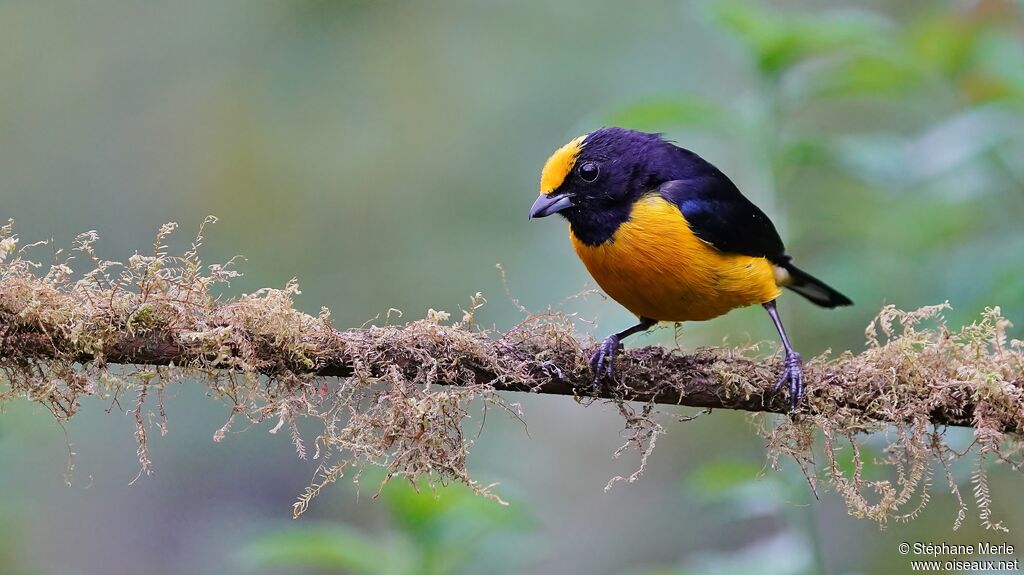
[
  {"x": 792, "y": 374},
  {"x": 603, "y": 360}
]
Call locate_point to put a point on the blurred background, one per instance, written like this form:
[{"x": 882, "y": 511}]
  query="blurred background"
[{"x": 386, "y": 153}]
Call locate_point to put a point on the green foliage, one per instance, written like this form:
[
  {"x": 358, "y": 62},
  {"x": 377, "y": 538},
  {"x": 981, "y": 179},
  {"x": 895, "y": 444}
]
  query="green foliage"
[
  {"x": 779, "y": 41},
  {"x": 327, "y": 546},
  {"x": 448, "y": 531},
  {"x": 721, "y": 477},
  {"x": 871, "y": 74}
]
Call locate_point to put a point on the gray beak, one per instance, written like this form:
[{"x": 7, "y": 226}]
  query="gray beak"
[{"x": 547, "y": 205}]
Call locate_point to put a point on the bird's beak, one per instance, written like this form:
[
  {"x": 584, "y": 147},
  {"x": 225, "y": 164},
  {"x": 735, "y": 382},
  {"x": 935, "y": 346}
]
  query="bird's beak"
[{"x": 547, "y": 205}]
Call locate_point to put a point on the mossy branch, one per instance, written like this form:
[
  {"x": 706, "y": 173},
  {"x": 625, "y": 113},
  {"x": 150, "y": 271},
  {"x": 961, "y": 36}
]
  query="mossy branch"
[
  {"x": 398, "y": 395},
  {"x": 708, "y": 378}
]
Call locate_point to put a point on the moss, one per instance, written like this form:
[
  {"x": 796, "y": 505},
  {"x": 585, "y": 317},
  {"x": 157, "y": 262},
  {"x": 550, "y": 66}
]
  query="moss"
[{"x": 61, "y": 334}]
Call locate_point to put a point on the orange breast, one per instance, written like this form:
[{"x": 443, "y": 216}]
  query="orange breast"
[{"x": 657, "y": 268}]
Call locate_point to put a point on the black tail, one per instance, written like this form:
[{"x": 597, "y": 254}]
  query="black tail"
[{"x": 812, "y": 288}]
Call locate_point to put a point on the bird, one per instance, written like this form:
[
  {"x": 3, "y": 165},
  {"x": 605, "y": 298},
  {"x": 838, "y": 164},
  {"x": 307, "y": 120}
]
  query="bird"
[{"x": 670, "y": 237}]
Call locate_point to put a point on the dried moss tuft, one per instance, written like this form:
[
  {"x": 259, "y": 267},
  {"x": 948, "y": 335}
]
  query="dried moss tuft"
[{"x": 398, "y": 396}]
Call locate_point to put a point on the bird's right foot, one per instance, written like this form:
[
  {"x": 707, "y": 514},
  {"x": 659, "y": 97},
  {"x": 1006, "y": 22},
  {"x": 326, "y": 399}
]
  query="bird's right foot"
[{"x": 793, "y": 374}]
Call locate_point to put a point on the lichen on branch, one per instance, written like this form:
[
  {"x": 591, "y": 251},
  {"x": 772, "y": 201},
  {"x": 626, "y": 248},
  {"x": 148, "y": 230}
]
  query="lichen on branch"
[{"x": 398, "y": 396}]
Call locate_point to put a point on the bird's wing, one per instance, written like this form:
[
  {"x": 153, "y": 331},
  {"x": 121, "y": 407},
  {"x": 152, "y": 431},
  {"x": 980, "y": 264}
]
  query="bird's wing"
[{"x": 721, "y": 216}]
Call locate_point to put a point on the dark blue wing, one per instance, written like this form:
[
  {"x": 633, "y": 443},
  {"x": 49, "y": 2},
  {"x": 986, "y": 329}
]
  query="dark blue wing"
[{"x": 720, "y": 215}]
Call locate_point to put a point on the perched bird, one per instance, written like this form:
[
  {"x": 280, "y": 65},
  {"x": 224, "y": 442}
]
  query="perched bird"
[{"x": 670, "y": 237}]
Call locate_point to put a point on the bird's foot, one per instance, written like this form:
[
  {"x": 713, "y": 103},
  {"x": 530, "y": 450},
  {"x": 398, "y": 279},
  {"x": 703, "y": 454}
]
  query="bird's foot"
[
  {"x": 603, "y": 360},
  {"x": 792, "y": 374}
]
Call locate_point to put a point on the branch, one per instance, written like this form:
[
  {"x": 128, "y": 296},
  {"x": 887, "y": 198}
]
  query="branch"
[
  {"x": 705, "y": 379},
  {"x": 398, "y": 395}
]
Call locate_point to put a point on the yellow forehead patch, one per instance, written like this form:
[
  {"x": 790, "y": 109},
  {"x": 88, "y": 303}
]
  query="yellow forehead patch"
[{"x": 559, "y": 165}]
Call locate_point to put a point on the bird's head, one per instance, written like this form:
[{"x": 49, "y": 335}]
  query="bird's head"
[{"x": 604, "y": 172}]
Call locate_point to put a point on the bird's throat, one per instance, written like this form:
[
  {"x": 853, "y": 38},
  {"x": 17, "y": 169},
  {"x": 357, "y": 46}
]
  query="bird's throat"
[{"x": 595, "y": 227}]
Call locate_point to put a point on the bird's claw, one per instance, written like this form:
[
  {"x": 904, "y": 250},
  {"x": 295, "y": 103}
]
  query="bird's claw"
[
  {"x": 603, "y": 360},
  {"x": 793, "y": 374}
]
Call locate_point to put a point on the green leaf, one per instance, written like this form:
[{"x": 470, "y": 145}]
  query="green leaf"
[
  {"x": 722, "y": 476},
  {"x": 335, "y": 547},
  {"x": 425, "y": 512},
  {"x": 805, "y": 152},
  {"x": 944, "y": 42},
  {"x": 985, "y": 60},
  {"x": 449, "y": 527},
  {"x": 779, "y": 41},
  {"x": 867, "y": 74}
]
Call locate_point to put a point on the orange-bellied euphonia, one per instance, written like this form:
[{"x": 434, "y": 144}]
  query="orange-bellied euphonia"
[{"x": 670, "y": 237}]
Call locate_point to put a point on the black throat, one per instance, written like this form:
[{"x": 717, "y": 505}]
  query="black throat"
[{"x": 595, "y": 227}]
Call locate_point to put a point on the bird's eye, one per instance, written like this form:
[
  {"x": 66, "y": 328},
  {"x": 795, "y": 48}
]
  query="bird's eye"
[{"x": 589, "y": 171}]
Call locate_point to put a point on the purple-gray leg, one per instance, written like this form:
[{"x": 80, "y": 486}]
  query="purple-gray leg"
[
  {"x": 793, "y": 370},
  {"x": 603, "y": 359}
]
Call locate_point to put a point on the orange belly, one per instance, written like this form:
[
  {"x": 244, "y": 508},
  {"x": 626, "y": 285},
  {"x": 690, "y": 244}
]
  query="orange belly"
[{"x": 657, "y": 268}]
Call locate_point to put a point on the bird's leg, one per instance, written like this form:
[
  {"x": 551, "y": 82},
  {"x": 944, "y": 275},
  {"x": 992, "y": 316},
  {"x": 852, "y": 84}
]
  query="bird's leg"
[
  {"x": 793, "y": 372},
  {"x": 603, "y": 359}
]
